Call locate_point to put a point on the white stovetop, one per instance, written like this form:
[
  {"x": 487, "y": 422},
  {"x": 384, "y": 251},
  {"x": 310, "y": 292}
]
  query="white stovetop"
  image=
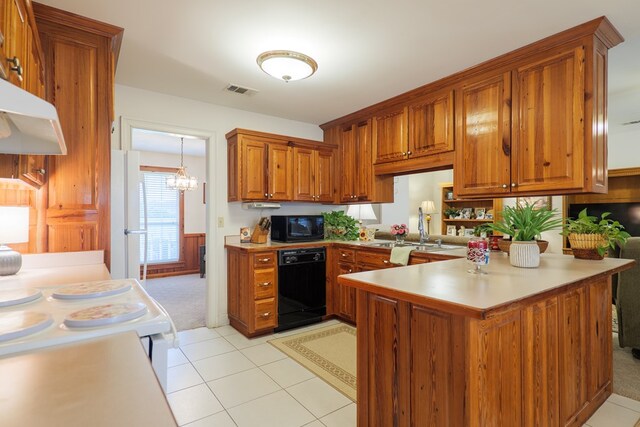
[
  {"x": 155, "y": 321},
  {"x": 52, "y": 270}
]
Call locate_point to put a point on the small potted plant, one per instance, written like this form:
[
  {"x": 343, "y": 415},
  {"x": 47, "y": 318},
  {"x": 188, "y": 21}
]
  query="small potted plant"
[
  {"x": 451, "y": 213},
  {"x": 525, "y": 223},
  {"x": 339, "y": 226},
  {"x": 400, "y": 231},
  {"x": 590, "y": 236}
]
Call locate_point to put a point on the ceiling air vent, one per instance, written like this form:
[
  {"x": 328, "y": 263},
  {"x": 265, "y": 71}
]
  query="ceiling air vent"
[{"x": 240, "y": 90}]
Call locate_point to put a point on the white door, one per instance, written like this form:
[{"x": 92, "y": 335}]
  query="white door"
[{"x": 128, "y": 230}]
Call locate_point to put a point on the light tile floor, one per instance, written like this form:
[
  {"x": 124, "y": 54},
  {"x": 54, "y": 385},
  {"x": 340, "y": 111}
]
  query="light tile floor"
[{"x": 220, "y": 378}]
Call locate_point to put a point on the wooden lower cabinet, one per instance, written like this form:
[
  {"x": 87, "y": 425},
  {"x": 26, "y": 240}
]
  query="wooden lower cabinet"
[
  {"x": 547, "y": 362},
  {"x": 350, "y": 259},
  {"x": 252, "y": 280}
]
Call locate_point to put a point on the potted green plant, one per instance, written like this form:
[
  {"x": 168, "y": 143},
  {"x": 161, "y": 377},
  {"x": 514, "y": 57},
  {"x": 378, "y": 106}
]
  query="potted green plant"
[
  {"x": 339, "y": 226},
  {"x": 525, "y": 223},
  {"x": 451, "y": 213},
  {"x": 590, "y": 236},
  {"x": 481, "y": 229}
]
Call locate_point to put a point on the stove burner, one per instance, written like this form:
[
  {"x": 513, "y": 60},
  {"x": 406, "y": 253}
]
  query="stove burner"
[
  {"x": 18, "y": 296},
  {"x": 17, "y": 324},
  {"x": 107, "y": 314},
  {"x": 92, "y": 290}
]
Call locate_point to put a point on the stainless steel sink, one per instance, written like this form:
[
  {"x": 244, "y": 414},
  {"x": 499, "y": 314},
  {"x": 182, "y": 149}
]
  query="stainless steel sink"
[{"x": 426, "y": 247}]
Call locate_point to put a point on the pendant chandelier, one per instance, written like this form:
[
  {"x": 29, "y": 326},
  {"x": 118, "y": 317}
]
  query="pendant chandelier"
[{"x": 181, "y": 181}]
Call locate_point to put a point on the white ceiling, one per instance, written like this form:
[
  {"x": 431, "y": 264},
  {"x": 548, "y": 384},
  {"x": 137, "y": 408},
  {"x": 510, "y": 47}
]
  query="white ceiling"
[{"x": 367, "y": 50}]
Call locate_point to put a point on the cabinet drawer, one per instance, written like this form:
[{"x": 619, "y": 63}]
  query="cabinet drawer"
[
  {"x": 346, "y": 255},
  {"x": 264, "y": 283},
  {"x": 264, "y": 259},
  {"x": 374, "y": 259},
  {"x": 265, "y": 313}
]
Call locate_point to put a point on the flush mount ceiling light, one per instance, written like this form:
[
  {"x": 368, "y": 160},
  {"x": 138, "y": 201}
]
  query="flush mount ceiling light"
[
  {"x": 287, "y": 65},
  {"x": 181, "y": 181}
]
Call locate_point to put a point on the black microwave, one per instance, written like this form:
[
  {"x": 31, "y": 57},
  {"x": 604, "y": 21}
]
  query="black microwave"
[{"x": 297, "y": 228}]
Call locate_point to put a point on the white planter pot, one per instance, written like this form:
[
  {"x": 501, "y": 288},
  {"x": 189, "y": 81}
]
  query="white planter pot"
[{"x": 524, "y": 254}]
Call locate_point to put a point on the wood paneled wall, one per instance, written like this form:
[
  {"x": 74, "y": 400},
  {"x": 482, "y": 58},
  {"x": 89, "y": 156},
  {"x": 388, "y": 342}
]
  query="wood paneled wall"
[{"x": 189, "y": 259}]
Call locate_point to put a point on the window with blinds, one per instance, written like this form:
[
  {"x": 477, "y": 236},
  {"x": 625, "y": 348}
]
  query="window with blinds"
[{"x": 163, "y": 219}]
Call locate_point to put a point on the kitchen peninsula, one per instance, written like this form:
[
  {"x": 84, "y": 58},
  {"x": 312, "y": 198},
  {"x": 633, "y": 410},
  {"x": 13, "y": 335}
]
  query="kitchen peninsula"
[{"x": 440, "y": 346}]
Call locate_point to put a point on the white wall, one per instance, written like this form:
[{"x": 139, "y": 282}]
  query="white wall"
[
  {"x": 158, "y": 108},
  {"x": 194, "y": 209}
]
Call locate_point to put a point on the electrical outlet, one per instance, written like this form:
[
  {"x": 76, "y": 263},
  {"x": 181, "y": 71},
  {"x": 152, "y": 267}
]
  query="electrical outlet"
[{"x": 220, "y": 221}]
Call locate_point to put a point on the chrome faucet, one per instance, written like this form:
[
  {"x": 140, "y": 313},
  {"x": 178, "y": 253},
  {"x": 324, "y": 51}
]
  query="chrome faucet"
[{"x": 423, "y": 235}]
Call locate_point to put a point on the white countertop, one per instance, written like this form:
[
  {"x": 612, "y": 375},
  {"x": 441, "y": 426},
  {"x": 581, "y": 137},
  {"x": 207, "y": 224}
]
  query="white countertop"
[
  {"x": 103, "y": 382},
  {"x": 449, "y": 285},
  {"x": 53, "y": 269}
]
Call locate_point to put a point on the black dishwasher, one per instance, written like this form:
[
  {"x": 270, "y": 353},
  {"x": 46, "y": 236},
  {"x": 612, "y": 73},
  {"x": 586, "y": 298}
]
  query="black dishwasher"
[{"x": 302, "y": 297}]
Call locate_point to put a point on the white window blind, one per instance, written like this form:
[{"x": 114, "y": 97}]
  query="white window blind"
[{"x": 163, "y": 219}]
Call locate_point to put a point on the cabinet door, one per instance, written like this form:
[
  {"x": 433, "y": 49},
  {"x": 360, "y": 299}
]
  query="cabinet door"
[
  {"x": 431, "y": 126},
  {"x": 548, "y": 115},
  {"x": 304, "y": 174},
  {"x": 15, "y": 31},
  {"x": 32, "y": 169},
  {"x": 254, "y": 174},
  {"x": 599, "y": 293},
  {"x": 3, "y": 41},
  {"x": 483, "y": 145},
  {"x": 362, "y": 166},
  {"x": 280, "y": 172},
  {"x": 573, "y": 352},
  {"x": 348, "y": 155},
  {"x": 390, "y": 136},
  {"x": 346, "y": 304},
  {"x": 324, "y": 176}
]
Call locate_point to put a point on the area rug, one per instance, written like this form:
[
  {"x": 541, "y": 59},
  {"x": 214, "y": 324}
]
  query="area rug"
[
  {"x": 184, "y": 298},
  {"x": 626, "y": 371},
  {"x": 329, "y": 352}
]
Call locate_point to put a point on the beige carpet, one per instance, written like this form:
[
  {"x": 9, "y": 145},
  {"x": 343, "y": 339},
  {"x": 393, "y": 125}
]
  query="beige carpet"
[
  {"x": 328, "y": 352},
  {"x": 184, "y": 298}
]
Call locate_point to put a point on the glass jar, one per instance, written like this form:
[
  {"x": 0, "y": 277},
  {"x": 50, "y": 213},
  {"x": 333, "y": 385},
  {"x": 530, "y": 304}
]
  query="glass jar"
[{"x": 478, "y": 254}]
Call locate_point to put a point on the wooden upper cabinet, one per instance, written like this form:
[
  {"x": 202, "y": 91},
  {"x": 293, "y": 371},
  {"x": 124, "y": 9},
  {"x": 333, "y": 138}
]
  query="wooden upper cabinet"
[
  {"x": 548, "y": 128},
  {"x": 280, "y": 172},
  {"x": 254, "y": 173},
  {"x": 325, "y": 176},
  {"x": 483, "y": 144},
  {"x": 15, "y": 28},
  {"x": 313, "y": 175},
  {"x": 347, "y": 163},
  {"x": 431, "y": 125},
  {"x": 264, "y": 166},
  {"x": 304, "y": 174},
  {"x": 357, "y": 181},
  {"x": 390, "y": 135},
  {"x": 3, "y": 40}
]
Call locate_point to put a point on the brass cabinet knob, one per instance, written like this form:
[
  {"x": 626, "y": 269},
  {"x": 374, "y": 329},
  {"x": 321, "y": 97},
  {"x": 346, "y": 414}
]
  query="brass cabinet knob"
[
  {"x": 513, "y": 184},
  {"x": 264, "y": 284},
  {"x": 15, "y": 66},
  {"x": 265, "y": 315},
  {"x": 504, "y": 185}
]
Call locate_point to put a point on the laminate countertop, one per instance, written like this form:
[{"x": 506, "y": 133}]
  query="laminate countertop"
[
  {"x": 103, "y": 382},
  {"x": 447, "y": 286}
]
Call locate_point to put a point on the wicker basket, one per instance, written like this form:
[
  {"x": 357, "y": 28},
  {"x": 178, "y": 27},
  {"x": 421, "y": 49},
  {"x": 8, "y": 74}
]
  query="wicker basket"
[
  {"x": 585, "y": 246},
  {"x": 586, "y": 241}
]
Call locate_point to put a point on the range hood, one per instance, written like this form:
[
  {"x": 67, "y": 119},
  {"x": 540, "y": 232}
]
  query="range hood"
[{"x": 28, "y": 124}]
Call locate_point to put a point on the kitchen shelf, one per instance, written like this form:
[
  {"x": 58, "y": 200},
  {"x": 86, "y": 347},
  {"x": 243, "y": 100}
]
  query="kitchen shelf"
[{"x": 494, "y": 205}]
